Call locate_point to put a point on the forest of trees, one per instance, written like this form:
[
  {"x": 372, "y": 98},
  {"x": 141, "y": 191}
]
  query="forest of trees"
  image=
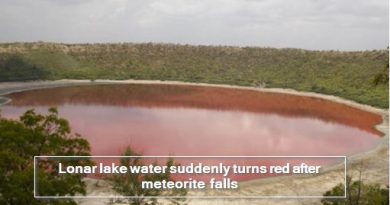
[{"x": 352, "y": 75}]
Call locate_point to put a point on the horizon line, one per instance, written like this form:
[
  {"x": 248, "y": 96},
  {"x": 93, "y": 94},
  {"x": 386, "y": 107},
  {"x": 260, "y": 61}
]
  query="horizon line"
[{"x": 188, "y": 44}]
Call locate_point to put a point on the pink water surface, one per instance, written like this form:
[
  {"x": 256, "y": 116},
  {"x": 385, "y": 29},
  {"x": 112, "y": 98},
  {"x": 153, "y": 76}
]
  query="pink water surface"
[{"x": 186, "y": 120}]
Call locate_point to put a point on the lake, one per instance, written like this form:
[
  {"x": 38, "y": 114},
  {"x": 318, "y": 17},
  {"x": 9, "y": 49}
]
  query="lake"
[{"x": 197, "y": 120}]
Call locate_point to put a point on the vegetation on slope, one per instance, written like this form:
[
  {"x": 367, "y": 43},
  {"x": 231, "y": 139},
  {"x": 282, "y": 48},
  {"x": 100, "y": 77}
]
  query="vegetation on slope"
[
  {"x": 347, "y": 74},
  {"x": 15, "y": 68}
]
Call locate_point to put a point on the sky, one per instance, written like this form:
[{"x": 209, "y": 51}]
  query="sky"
[{"x": 307, "y": 24}]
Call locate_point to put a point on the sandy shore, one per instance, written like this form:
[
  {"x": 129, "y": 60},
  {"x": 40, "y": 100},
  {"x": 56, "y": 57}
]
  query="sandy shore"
[{"x": 375, "y": 162}]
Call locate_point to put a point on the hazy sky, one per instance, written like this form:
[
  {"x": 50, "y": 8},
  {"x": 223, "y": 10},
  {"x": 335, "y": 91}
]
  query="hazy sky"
[{"x": 310, "y": 24}]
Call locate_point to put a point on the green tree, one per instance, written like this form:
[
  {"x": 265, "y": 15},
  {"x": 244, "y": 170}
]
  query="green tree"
[
  {"x": 358, "y": 193},
  {"x": 35, "y": 135},
  {"x": 129, "y": 184}
]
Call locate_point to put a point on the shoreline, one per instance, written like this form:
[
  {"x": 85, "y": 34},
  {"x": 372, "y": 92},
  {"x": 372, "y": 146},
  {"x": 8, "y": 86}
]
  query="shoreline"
[
  {"x": 376, "y": 158},
  {"x": 13, "y": 87}
]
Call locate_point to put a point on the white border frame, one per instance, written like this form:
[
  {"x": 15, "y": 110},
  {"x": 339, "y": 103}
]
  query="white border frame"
[{"x": 193, "y": 197}]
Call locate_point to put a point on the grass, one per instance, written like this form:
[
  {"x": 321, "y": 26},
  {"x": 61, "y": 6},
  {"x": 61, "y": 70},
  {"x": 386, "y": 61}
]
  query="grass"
[{"x": 346, "y": 74}]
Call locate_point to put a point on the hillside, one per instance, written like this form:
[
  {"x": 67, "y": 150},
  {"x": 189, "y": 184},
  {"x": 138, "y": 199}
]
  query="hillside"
[{"x": 346, "y": 74}]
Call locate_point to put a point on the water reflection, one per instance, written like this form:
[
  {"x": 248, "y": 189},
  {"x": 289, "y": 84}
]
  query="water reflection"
[{"x": 188, "y": 131}]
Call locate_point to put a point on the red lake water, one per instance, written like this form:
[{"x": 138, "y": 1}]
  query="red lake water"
[{"x": 196, "y": 120}]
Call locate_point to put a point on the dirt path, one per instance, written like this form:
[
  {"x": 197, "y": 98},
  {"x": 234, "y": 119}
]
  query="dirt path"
[{"x": 375, "y": 162}]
